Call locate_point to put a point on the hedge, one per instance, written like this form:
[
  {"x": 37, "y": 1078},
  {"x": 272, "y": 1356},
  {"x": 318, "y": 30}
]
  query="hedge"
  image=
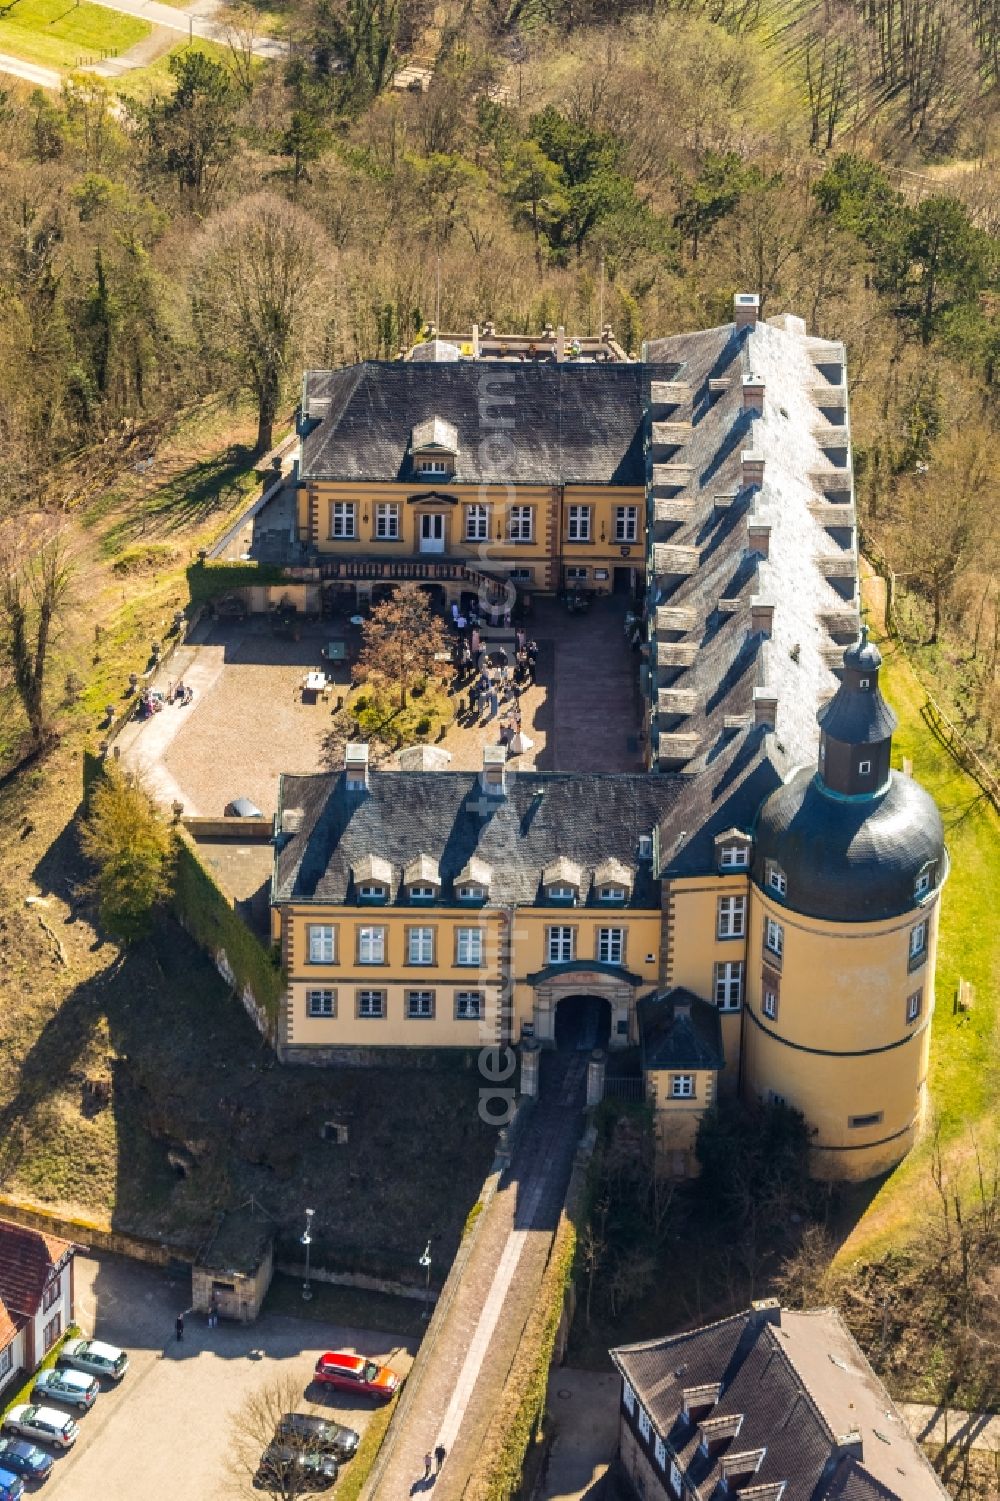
[
  {"x": 23, "y": 1394},
  {"x": 207, "y": 580},
  {"x": 352, "y": 1480},
  {"x": 204, "y": 911}
]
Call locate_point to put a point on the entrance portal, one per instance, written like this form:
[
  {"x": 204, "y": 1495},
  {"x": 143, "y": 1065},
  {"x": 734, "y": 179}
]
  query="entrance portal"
[
  {"x": 583, "y": 1022},
  {"x": 432, "y": 532},
  {"x": 624, "y": 581}
]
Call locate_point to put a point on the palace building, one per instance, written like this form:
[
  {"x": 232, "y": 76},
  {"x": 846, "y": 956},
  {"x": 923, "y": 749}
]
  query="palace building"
[{"x": 758, "y": 910}]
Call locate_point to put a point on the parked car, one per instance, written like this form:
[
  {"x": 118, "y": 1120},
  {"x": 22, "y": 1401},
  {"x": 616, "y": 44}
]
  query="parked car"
[
  {"x": 356, "y": 1373},
  {"x": 318, "y": 1435},
  {"x": 17, "y": 1455},
  {"x": 71, "y": 1387},
  {"x": 44, "y": 1423},
  {"x": 311, "y": 1472},
  {"x": 11, "y": 1486},
  {"x": 95, "y": 1358}
]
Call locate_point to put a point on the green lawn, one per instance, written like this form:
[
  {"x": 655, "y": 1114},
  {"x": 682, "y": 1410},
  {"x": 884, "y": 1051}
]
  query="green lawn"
[
  {"x": 61, "y": 34},
  {"x": 141, "y": 83}
]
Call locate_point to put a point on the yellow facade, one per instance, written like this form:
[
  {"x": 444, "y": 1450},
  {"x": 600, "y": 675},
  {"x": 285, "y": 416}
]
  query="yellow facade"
[
  {"x": 696, "y": 953},
  {"x": 677, "y": 1117}
]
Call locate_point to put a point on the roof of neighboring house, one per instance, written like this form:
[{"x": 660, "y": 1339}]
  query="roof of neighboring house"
[
  {"x": 27, "y": 1259},
  {"x": 677, "y": 1029},
  {"x": 803, "y": 1394},
  {"x": 8, "y": 1327},
  {"x": 547, "y": 424},
  {"x": 445, "y": 815}
]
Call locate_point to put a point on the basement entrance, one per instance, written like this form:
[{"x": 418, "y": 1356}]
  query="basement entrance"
[{"x": 583, "y": 1022}]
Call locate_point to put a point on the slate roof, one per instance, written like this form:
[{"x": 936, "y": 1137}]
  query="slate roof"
[
  {"x": 27, "y": 1258},
  {"x": 677, "y": 1029},
  {"x": 800, "y": 1384},
  {"x": 446, "y": 816},
  {"x": 567, "y": 423},
  {"x": 857, "y": 716}
]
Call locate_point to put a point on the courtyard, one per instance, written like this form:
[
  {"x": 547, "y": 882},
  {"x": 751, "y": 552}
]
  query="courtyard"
[{"x": 248, "y": 720}]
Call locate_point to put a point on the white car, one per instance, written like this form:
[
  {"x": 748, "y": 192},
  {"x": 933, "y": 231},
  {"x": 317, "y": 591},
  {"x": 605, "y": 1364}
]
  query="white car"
[
  {"x": 45, "y": 1423},
  {"x": 95, "y": 1358}
]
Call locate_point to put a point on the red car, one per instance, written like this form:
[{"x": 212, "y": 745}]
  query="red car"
[{"x": 356, "y": 1373}]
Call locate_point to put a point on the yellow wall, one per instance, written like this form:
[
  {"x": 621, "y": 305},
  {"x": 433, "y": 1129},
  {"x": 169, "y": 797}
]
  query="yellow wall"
[
  {"x": 693, "y": 949},
  {"x": 842, "y": 996},
  {"x": 602, "y": 555},
  {"x": 677, "y": 1120}
]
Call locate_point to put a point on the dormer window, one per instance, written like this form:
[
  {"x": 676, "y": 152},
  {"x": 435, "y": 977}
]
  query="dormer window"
[
  {"x": 471, "y": 894},
  {"x": 563, "y": 881},
  {"x": 562, "y": 894},
  {"x": 422, "y": 879},
  {"x": 434, "y": 446},
  {"x": 372, "y": 879},
  {"x": 370, "y": 892},
  {"x": 777, "y": 880},
  {"x": 734, "y": 857},
  {"x": 864, "y": 768},
  {"x": 645, "y": 850},
  {"x": 922, "y": 884},
  {"x": 433, "y": 466},
  {"x": 472, "y": 884},
  {"x": 611, "y": 894},
  {"x": 863, "y": 682},
  {"x": 422, "y": 893}
]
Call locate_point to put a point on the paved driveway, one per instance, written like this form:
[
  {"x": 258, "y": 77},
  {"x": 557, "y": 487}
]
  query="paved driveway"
[{"x": 164, "y": 1433}]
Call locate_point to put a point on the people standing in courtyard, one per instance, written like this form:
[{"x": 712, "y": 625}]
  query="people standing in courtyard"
[
  {"x": 494, "y": 703},
  {"x": 179, "y": 1327},
  {"x": 213, "y": 1312}
]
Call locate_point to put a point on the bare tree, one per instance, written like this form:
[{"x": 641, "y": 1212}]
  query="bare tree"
[
  {"x": 261, "y": 1459},
  {"x": 36, "y": 569}
]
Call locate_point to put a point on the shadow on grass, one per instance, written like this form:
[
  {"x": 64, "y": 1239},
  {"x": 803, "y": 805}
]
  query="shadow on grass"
[{"x": 186, "y": 500}]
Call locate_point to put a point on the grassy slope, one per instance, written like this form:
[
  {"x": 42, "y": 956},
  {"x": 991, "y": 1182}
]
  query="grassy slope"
[
  {"x": 61, "y": 34},
  {"x": 156, "y": 78}
]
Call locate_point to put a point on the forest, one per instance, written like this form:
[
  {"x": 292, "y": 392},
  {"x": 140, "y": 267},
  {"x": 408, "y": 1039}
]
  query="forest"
[{"x": 570, "y": 161}]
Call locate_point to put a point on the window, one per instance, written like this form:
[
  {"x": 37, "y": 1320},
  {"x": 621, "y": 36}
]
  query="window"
[
  {"x": 864, "y": 768},
  {"x": 471, "y": 893},
  {"x": 520, "y": 523},
  {"x": 576, "y": 575},
  {"x": 914, "y": 1005},
  {"x": 387, "y": 523},
  {"x": 419, "y": 1004},
  {"x": 578, "y": 524},
  {"x": 6, "y": 1361},
  {"x": 468, "y": 945},
  {"x": 611, "y": 945},
  {"x": 734, "y": 857},
  {"x": 777, "y": 881},
  {"x": 371, "y": 1003},
  {"x": 321, "y": 943},
  {"x": 321, "y": 1003},
  {"x": 675, "y": 1478},
  {"x": 875, "y": 1119},
  {"x": 863, "y": 682},
  {"x": 729, "y": 985},
  {"x": 626, "y": 523},
  {"x": 432, "y": 466},
  {"x": 682, "y": 1087},
  {"x": 660, "y": 1451},
  {"x": 51, "y": 1333},
  {"x": 644, "y": 1423},
  {"x": 732, "y": 916},
  {"x": 612, "y": 894},
  {"x": 560, "y": 945},
  {"x": 922, "y": 884},
  {"x": 477, "y": 523},
  {"x": 372, "y": 893},
  {"x": 52, "y": 1293},
  {"x": 774, "y": 937},
  {"x": 468, "y": 1005},
  {"x": 918, "y": 944},
  {"x": 522, "y": 575},
  {"x": 420, "y": 946},
  {"x": 421, "y": 893},
  {"x": 343, "y": 519},
  {"x": 371, "y": 945},
  {"x": 645, "y": 846},
  {"x": 769, "y": 1004},
  {"x": 562, "y": 893},
  {"x": 628, "y": 1397}
]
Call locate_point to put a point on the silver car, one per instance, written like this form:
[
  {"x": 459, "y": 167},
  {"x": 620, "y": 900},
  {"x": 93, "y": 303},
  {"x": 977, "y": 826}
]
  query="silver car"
[
  {"x": 95, "y": 1358},
  {"x": 71, "y": 1387},
  {"x": 44, "y": 1423}
]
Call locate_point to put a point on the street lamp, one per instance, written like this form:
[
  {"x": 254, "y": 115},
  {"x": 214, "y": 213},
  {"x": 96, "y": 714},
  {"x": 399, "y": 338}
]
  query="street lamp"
[
  {"x": 306, "y": 1240},
  {"x": 425, "y": 1262}
]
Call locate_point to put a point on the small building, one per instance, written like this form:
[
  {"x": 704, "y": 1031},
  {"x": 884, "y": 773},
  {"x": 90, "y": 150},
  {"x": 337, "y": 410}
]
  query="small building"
[
  {"x": 236, "y": 1266},
  {"x": 770, "y": 1404},
  {"x": 36, "y": 1296},
  {"x": 680, "y": 1037}
]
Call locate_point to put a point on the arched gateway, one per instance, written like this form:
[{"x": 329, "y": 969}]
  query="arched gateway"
[{"x": 564, "y": 997}]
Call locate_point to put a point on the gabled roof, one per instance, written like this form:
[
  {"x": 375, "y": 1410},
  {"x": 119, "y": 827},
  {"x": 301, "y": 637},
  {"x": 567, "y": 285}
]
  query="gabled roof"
[
  {"x": 435, "y": 432},
  {"x": 27, "y": 1260},
  {"x": 677, "y": 1029},
  {"x": 423, "y": 871},
  {"x": 614, "y": 873},
  {"x": 372, "y": 867},
  {"x": 562, "y": 872}
]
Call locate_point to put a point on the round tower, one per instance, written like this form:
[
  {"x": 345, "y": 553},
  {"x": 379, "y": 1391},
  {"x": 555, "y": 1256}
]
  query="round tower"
[{"x": 848, "y": 865}]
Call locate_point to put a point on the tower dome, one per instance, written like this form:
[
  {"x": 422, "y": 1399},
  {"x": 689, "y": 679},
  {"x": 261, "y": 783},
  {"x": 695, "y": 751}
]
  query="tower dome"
[{"x": 854, "y": 840}]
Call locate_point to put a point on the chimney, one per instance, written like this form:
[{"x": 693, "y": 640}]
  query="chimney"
[
  {"x": 761, "y": 615},
  {"x": 765, "y": 708},
  {"x": 493, "y": 777},
  {"x": 356, "y": 766},
  {"x": 753, "y": 394},
  {"x": 759, "y": 536},
  {"x": 751, "y": 468},
  {"x": 746, "y": 306},
  {"x": 766, "y": 1311},
  {"x": 850, "y": 1443}
]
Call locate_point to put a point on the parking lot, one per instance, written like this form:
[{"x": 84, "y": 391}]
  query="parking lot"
[{"x": 167, "y": 1431}]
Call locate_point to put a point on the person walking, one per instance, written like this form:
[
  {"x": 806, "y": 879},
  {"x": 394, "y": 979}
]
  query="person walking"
[
  {"x": 179, "y": 1327},
  {"x": 428, "y": 1465},
  {"x": 213, "y": 1312},
  {"x": 494, "y": 703},
  {"x": 440, "y": 1455}
]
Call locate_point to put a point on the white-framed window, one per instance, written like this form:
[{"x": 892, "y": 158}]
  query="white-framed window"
[
  {"x": 469, "y": 1005},
  {"x": 51, "y": 1332},
  {"x": 628, "y": 1397},
  {"x": 520, "y": 523},
  {"x": 774, "y": 937},
  {"x": 644, "y": 1423},
  {"x": 387, "y": 522},
  {"x": 421, "y": 893},
  {"x": 471, "y": 893},
  {"x": 682, "y": 1087},
  {"x": 321, "y": 1003},
  {"x": 575, "y": 574},
  {"x": 734, "y": 857},
  {"x": 863, "y": 682},
  {"x": 769, "y": 1003},
  {"x": 420, "y": 946},
  {"x": 732, "y": 918},
  {"x": 914, "y": 1005},
  {"x": 372, "y": 893},
  {"x": 371, "y": 1003},
  {"x": 433, "y": 466},
  {"x": 611, "y": 945},
  {"x": 864, "y": 768},
  {"x": 468, "y": 945},
  {"x": 522, "y": 575},
  {"x": 578, "y": 524},
  {"x": 611, "y": 894},
  {"x": 626, "y": 523},
  {"x": 322, "y": 942},
  {"x": 729, "y": 985},
  {"x": 918, "y": 944},
  {"x": 922, "y": 884},
  {"x": 645, "y": 850},
  {"x": 52, "y": 1293},
  {"x": 660, "y": 1452},
  {"x": 477, "y": 523},
  {"x": 343, "y": 519},
  {"x": 6, "y": 1361},
  {"x": 777, "y": 880},
  {"x": 371, "y": 945},
  {"x": 560, "y": 945},
  {"x": 419, "y": 1004},
  {"x": 675, "y": 1478},
  {"x": 562, "y": 893}
]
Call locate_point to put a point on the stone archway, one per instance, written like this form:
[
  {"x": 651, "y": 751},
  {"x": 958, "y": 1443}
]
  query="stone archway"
[
  {"x": 583, "y": 1022},
  {"x": 607, "y": 982}
]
